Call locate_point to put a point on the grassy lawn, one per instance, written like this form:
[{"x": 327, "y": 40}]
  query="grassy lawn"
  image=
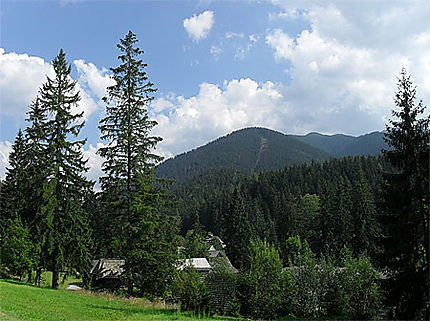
[{"x": 20, "y": 301}]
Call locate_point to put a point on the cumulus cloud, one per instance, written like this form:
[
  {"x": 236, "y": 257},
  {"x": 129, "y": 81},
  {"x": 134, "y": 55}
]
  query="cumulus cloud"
[
  {"x": 93, "y": 79},
  {"x": 343, "y": 67},
  {"x": 22, "y": 75},
  {"x": 198, "y": 26},
  {"x": 186, "y": 123}
]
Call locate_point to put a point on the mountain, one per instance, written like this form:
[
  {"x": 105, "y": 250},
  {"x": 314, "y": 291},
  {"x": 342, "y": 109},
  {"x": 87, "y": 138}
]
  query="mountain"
[
  {"x": 343, "y": 145},
  {"x": 254, "y": 150},
  {"x": 251, "y": 150}
]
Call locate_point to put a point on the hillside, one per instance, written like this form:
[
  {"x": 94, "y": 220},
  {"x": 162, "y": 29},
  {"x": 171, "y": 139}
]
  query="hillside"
[
  {"x": 251, "y": 150},
  {"x": 343, "y": 145}
]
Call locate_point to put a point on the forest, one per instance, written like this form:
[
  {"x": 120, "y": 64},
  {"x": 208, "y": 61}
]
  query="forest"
[{"x": 307, "y": 233}]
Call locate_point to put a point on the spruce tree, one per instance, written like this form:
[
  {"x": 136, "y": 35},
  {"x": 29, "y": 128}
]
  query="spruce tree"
[
  {"x": 36, "y": 158},
  {"x": 405, "y": 218},
  {"x": 236, "y": 230},
  {"x": 143, "y": 235},
  {"x": 13, "y": 193},
  {"x": 65, "y": 233}
]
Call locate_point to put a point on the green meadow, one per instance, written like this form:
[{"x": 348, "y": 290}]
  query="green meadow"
[{"x": 20, "y": 301}]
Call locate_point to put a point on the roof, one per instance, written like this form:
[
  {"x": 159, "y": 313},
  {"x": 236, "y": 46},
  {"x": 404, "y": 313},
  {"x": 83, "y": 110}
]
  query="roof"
[
  {"x": 199, "y": 264},
  {"x": 107, "y": 268},
  {"x": 213, "y": 252}
]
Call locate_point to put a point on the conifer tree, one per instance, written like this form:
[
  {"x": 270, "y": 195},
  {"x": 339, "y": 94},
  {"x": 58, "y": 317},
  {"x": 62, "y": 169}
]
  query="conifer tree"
[
  {"x": 143, "y": 234},
  {"x": 405, "y": 218},
  {"x": 13, "y": 193},
  {"x": 366, "y": 226},
  {"x": 65, "y": 233},
  {"x": 236, "y": 230}
]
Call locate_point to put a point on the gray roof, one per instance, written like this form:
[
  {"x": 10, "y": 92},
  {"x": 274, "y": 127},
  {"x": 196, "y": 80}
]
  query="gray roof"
[
  {"x": 107, "y": 268},
  {"x": 199, "y": 264}
]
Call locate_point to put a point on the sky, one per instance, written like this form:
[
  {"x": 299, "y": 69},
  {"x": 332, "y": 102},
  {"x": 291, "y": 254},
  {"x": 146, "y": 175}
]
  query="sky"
[{"x": 219, "y": 66}]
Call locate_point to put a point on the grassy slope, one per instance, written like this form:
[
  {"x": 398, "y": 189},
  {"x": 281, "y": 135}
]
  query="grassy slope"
[{"x": 19, "y": 301}]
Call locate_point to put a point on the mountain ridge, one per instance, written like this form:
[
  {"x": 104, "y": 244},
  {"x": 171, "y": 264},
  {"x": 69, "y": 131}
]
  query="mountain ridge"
[{"x": 258, "y": 149}]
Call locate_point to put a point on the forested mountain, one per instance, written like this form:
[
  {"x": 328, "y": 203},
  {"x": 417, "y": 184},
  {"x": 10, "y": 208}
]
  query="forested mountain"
[
  {"x": 255, "y": 150},
  {"x": 343, "y": 145},
  {"x": 251, "y": 150}
]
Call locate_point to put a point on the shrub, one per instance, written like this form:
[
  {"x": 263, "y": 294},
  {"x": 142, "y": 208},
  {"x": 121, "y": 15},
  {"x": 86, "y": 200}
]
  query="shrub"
[
  {"x": 190, "y": 291},
  {"x": 360, "y": 296},
  {"x": 261, "y": 284}
]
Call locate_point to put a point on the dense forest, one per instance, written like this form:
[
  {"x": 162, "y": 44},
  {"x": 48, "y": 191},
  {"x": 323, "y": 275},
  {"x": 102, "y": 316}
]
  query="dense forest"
[{"x": 306, "y": 234}]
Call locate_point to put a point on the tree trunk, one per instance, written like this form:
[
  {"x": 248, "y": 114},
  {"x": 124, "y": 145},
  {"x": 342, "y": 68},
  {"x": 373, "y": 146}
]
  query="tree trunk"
[
  {"x": 55, "y": 279},
  {"x": 130, "y": 287},
  {"x": 38, "y": 277},
  {"x": 29, "y": 275}
]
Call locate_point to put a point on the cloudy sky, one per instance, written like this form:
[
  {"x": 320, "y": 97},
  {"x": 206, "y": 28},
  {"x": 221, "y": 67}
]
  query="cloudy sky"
[{"x": 292, "y": 66}]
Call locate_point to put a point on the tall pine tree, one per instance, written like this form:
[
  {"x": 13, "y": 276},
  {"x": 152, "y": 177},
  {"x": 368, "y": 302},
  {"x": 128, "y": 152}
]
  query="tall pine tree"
[
  {"x": 143, "y": 235},
  {"x": 65, "y": 234},
  {"x": 405, "y": 218}
]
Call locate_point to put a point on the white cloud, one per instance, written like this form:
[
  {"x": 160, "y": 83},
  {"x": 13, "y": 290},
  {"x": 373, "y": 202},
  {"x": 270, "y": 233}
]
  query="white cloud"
[
  {"x": 343, "y": 66},
  {"x": 231, "y": 34},
  {"x": 22, "y": 75},
  {"x": 185, "y": 123},
  {"x": 254, "y": 38},
  {"x": 95, "y": 161},
  {"x": 5, "y": 148},
  {"x": 198, "y": 27},
  {"x": 215, "y": 52},
  {"x": 93, "y": 79}
]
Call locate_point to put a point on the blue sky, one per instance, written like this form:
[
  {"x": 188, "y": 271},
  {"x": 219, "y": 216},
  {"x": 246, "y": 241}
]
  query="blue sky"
[{"x": 293, "y": 66}]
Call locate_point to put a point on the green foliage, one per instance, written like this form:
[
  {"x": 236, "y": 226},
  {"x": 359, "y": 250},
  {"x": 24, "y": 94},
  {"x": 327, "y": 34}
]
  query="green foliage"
[
  {"x": 236, "y": 230},
  {"x": 302, "y": 282},
  {"x": 359, "y": 293},
  {"x": 195, "y": 245},
  {"x": 405, "y": 193},
  {"x": 18, "y": 253},
  {"x": 260, "y": 291},
  {"x": 318, "y": 289},
  {"x": 190, "y": 291},
  {"x": 14, "y": 192}
]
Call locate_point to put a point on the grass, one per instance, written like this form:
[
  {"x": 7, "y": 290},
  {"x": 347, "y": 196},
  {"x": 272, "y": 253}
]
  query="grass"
[{"x": 20, "y": 301}]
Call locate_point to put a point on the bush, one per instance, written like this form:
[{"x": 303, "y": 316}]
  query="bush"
[
  {"x": 360, "y": 296},
  {"x": 260, "y": 286},
  {"x": 302, "y": 286},
  {"x": 18, "y": 253},
  {"x": 190, "y": 291}
]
